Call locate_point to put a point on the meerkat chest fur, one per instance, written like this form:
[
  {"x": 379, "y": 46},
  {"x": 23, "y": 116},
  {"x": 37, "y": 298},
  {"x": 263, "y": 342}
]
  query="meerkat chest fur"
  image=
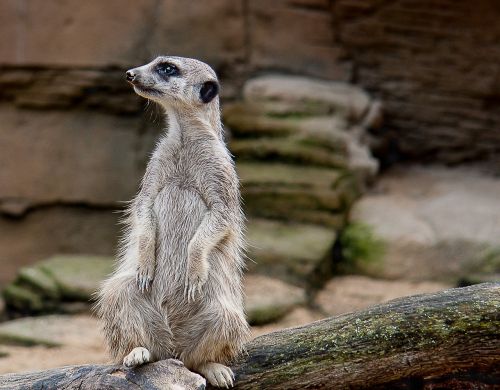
[
  {"x": 192, "y": 154},
  {"x": 194, "y": 181},
  {"x": 194, "y": 172}
]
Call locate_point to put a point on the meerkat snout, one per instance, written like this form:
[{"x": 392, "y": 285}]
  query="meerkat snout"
[{"x": 130, "y": 75}]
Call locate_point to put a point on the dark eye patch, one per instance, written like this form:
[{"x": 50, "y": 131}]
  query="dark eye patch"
[{"x": 166, "y": 69}]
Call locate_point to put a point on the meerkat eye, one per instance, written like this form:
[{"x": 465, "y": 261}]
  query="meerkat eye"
[{"x": 166, "y": 69}]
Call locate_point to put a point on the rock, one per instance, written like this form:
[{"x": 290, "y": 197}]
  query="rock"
[
  {"x": 270, "y": 109},
  {"x": 323, "y": 140},
  {"x": 288, "y": 151},
  {"x": 268, "y": 299},
  {"x": 103, "y": 90},
  {"x": 43, "y": 26},
  {"x": 282, "y": 118},
  {"x": 305, "y": 131},
  {"x": 352, "y": 293},
  {"x": 471, "y": 279},
  {"x": 168, "y": 21},
  {"x": 23, "y": 332},
  {"x": 51, "y": 331},
  {"x": 289, "y": 251},
  {"x": 40, "y": 280},
  {"x": 46, "y": 231},
  {"x": 323, "y": 208},
  {"x": 78, "y": 339},
  {"x": 78, "y": 276},
  {"x": 442, "y": 122},
  {"x": 22, "y": 298},
  {"x": 374, "y": 118},
  {"x": 438, "y": 223},
  {"x": 292, "y": 192},
  {"x": 361, "y": 162},
  {"x": 58, "y": 284},
  {"x": 431, "y": 118},
  {"x": 307, "y": 28},
  {"x": 119, "y": 37},
  {"x": 69, "y": 172},
  {"x": 264, "y": 174},
  {"x": 393, "y": 219},
  {"x": 247, "y": 124},
  {"x": 348, "y": 100}
]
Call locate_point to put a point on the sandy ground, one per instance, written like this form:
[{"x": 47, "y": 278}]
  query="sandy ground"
[{"x": 83, "y": 344}]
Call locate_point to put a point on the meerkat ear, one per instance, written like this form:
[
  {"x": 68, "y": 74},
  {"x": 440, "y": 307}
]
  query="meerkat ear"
[{"x": 208, "y": 91}]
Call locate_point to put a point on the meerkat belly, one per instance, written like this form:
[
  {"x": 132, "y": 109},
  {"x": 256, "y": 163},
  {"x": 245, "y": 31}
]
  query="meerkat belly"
[{"x": 179, "y": 212}]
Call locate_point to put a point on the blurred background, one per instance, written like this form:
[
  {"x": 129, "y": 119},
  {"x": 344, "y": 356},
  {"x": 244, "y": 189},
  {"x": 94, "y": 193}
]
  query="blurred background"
[{"x": 366, "y": 135}]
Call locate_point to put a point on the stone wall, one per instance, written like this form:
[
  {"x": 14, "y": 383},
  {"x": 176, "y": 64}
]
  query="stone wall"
[
  {"x": 74, "y": 138},
  {"x": 436, "y": 66}
]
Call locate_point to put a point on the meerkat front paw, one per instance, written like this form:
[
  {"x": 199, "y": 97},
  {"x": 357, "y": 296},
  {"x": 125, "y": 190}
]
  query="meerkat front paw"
[
  {"x": 197, "y": 274},
  {"x": 217, "y": 374},
  {"x": 144, "y": 276},
  {"x": 136, "y": 357},
  {"x": 194, "y": 284}
]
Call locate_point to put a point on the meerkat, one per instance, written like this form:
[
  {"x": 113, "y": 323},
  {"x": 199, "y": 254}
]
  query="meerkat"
[{"x": 177, "y": 289}]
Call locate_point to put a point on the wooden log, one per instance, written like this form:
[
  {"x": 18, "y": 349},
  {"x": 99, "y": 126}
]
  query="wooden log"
[
  {"x": 449, "y": 339},
  {"x": 449, "y": 336},
  {"x": 165, "y": 374}
]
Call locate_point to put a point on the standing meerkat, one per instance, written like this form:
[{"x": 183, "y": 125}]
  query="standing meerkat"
[{"x": 177, "y": 290}]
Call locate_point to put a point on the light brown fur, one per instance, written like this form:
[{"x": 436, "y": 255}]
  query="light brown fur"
[{"x": 177, "y": 289}]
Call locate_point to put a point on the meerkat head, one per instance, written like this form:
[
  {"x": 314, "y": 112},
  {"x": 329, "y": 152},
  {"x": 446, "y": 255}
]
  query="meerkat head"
[{"x": 175, "y": 82}]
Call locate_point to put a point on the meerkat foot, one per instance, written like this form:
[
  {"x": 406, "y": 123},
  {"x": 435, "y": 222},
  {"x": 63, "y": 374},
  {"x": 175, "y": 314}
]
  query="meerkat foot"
[
  {"x": 136, "y": 357},
  {"x": 217, "y": 374}
]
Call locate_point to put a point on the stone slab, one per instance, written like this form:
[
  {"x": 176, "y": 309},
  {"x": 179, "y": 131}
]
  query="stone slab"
[
  {"x": 289, "y": 251},
  {"x": 269, "y": 299}
]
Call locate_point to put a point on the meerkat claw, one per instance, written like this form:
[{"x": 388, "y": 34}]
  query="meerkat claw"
[
  {"x": 190, "y": 293},
  {"x": 143, "y": 282},
  {"x": 193, "y": 289}
]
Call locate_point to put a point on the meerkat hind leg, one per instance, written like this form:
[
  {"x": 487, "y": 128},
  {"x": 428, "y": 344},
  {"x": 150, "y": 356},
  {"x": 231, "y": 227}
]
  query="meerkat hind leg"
[
  {"x": 217, "y": 374},
  {"x": 138, "y": 356}
]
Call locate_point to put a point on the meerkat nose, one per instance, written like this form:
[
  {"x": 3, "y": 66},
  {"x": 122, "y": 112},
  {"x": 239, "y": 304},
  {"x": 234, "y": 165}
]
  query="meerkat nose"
[{"x": 130, "y": 75}]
